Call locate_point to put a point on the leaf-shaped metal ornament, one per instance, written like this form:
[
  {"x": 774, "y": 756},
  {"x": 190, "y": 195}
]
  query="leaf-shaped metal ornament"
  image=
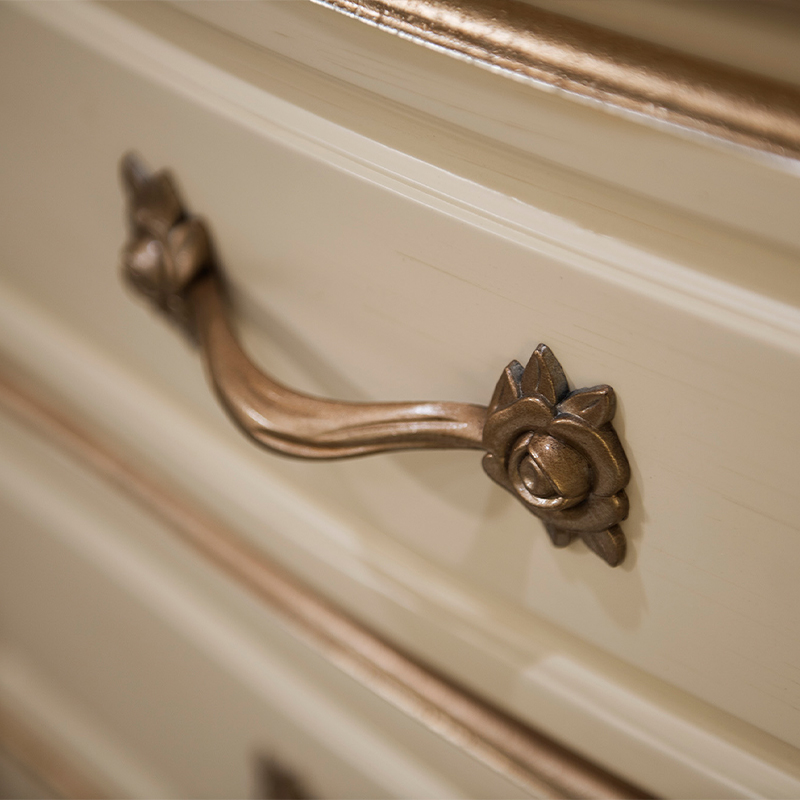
[
  {"x": 596, "y": 405},
  {"x": 543, "y": 376},
  {"x": 508, "y": 389}
]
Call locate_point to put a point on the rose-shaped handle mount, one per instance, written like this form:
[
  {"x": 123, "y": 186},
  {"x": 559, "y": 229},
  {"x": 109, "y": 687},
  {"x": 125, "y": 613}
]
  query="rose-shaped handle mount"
[
  {"x": 554, "y": 449},
  {"x": 558, "y": 453}
]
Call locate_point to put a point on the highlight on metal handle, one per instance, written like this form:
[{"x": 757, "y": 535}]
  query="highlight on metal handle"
[{"x": 553, "y": 449}]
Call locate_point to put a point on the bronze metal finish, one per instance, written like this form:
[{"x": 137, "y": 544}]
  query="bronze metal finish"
[
  {"x": 558, "y": 453},
  {"x": 505, "y": 745},
  {"x": 555, "y": 450},
  {"x": 597, "y": 64}
]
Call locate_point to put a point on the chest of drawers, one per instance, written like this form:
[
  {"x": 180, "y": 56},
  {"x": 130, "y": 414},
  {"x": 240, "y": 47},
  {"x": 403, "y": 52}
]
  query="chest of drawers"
[{"x": 393, "y": 224}]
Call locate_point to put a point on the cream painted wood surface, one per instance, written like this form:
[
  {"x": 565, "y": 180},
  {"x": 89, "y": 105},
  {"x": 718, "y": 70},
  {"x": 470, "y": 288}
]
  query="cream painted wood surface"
[
  {"x": 366, "y": 269},
  {"x": 705, "y": 178},
  {"x": 64, "y": 726},
  {"x": 190, "y": 685}
]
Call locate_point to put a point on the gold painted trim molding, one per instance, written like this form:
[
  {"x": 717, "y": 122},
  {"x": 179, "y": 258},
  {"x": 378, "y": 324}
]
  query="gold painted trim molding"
[
  {"x": 512, "y": 749},
  {"x": 598, "y": 65}
]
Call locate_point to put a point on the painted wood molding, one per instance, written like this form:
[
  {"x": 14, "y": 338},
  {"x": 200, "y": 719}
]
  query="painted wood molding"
[{"x": 598, "y": 65}]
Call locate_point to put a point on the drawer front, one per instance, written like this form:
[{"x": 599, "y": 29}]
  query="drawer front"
[
  {"x": 363, "y": 272},
  {"x": 160, "y": 679}
]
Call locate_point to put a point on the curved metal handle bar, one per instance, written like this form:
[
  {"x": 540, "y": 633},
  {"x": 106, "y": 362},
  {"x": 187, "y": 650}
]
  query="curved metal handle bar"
[
  {"x": 301, "y": 425},
  {"x": 553, "y": 449}
]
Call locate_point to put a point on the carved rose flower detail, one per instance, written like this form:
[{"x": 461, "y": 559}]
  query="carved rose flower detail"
[
  {"x": 167, "y": 248},
  {"x": 558, "y": 453}
]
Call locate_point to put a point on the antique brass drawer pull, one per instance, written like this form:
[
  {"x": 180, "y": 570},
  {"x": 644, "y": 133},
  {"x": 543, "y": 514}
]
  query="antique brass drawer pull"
[{"x": 555, "y": 450}]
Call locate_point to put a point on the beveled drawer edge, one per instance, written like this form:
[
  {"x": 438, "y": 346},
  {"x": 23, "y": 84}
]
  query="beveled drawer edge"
[
  {"x": 597, "y": 65},
  {"x": 518, "y": 753},
  {"x": 708, "y": 292}
]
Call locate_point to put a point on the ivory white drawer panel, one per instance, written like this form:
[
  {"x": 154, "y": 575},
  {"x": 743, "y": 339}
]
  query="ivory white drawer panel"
[{"x": 364, "y": 270}]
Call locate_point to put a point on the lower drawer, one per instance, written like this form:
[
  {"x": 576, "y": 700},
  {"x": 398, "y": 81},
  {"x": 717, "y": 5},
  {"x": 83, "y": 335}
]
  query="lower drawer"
[{"x": 161, "y": 679}]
